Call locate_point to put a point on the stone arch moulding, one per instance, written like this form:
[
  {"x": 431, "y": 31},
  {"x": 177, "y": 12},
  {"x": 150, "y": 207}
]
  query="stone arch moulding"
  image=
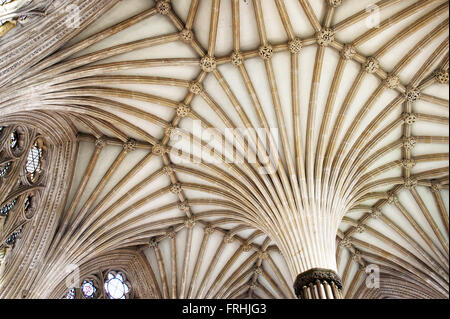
[
  {"x": 50, "y": 190},
  {"x": 130, "y": 261},
  {"x": 358, "y": 178}
]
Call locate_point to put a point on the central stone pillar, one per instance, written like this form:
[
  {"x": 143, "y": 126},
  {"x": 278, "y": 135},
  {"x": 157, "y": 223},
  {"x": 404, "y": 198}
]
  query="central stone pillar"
[
  {"x": 307, "y": 240},
  {"x": 318, "y": 283}
]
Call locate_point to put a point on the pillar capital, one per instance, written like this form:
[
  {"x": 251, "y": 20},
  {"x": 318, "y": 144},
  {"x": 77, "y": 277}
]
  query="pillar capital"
[{"x": 311, "y": 276}]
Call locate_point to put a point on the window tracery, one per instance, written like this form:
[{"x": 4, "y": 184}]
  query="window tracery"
[
  {"x": 4, "y": 211},
  {"x": 30, "y": 204},
  {"x": 88, "y": 289},
  {"x": 11, "y": 240},
  {"x": 112, "y": 285},
  {"x": 14, "y": 139},
  {"x": 4, "y": 169},
  {"x": 22, "y": 152},
  {"x": 70, "y": 294},
  {"x": 116, "y": 287},
  {"x": 18, "y": 140},
  {"x": 34, "y": 160}
]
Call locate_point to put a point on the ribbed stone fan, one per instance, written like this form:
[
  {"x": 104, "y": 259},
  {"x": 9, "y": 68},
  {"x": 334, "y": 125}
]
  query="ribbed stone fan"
[{"x": 168, "y": 100}]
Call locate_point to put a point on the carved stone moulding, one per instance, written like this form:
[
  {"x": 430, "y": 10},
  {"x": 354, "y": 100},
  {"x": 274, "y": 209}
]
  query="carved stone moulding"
[
  {"x": 311, "y": 276},
  {"x": 408, "y": 163},
  {"x": 295, "y": 46},
  {"x": 441, "y": 76},
  {"x": 31, "y": 204},
  {"x": 371, "y": 65},
  {"x": 409, "y": 118},
  {"x": 435, "y": 187},
  {"x": 189, "y": 222},
  {"x": 158, "y": 150},
  {"x": 186, "y": 35},
  {"x": 266, "y": 52},
  {"x": 334, "y": 3},
  {"x": 376, "y": 213},
  {"x": 19, "y": 140},
  {"x": 325, "y": 36},
  {"x": 345, "y": 242},
  {"x": 392, "y": 81},
  {"x": 129, "y": 146},
  {"x": 195, "y": 88},
  {"x": 412, "y": 94},
  {"x": 228, "y": 238},
  {"x": 237, "y": 58},
  {"x": 163, "y": 7},
  {"x": 410, "y": 183},
  {"x": 208, "y": 63},
  {"x": 348, "y": 52},
  {"x": 176, "y": 188},
  {"x": 183, "y": 110},
  {"x": 409, "y": 143}
]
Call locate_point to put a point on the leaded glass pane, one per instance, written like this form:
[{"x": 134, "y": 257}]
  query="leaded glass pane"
[
  {"x": 4, "y": 169},
  {"x": 115, "y": 287},
  {"x": 12, "y": 239},
  {"x": 33, "y": 164},
  {"x": 70, "y": 294},
  {"x": 14, "y": 139},
  {"x": 88, "y": 289},
  {"x": 4, "y": 211}
]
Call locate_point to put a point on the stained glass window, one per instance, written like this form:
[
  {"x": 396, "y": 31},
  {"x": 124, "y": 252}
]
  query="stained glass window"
[
  {"x": 12, "y": 239},
  {"x": 33, "y": 164},
  {"x": 70, "y": 294},
  {"x": 4, "y": 211},
  {"x": 116, "y": 287},
  {"x": 4, "y": 169},
  {"x": 27, "y": 205},
  {"x": 88, "y": 289},
  {"x": 14, "y": 139}
]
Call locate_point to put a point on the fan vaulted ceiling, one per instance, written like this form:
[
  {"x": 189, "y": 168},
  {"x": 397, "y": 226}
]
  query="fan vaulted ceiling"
[{"x": 163, "y": 104}]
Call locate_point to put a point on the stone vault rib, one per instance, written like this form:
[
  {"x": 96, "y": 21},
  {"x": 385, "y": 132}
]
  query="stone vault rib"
[{"x": 338, "y": 155}]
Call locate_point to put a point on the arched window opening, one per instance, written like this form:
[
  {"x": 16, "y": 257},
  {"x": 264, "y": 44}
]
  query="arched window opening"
[
  {"x": 88, "y": 289},
  {"x": 116, "y": 286},
  {"x": 27, "y": 203},
  {"x": 11, "y": 240},
  {"x": 30, "y": 204},
  {"x": 4, "y": 211},
  {"x": 70, "y": 294},
  {"x": 4, "y": 169},
  {"x": 18, "y": 140},
  {"x": 14, "y": 139},
  {"x": 34, "y": 160}
]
